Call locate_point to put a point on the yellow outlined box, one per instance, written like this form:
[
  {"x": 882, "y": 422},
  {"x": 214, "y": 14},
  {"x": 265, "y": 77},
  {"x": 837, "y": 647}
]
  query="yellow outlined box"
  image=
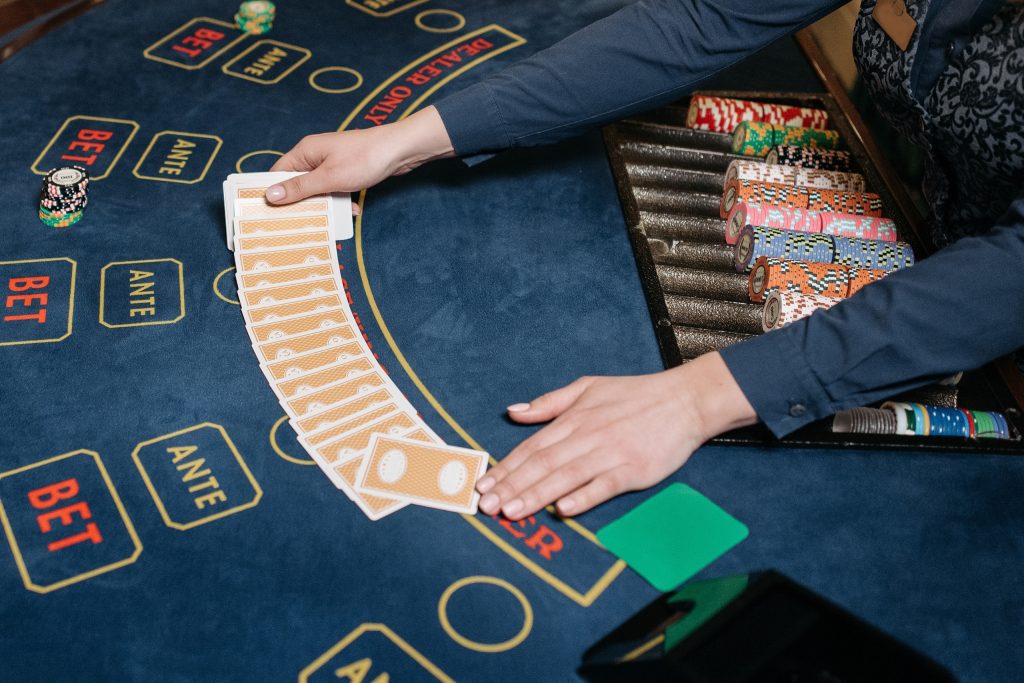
[
  {"x": 181, "y": 292},
  {"x": 178, "y": 133},
  {"x": 192, "y": 22},
  {"x": 20, "y": 560},
  {"x": 185, "y": 526},
  {"x": 252, "y": 48},
  {"x": 71, "y": 300},
  {"x": 60, "y": 131},
  {"x": 408, "y": 649},
  {"x": 368, "y": 6}
]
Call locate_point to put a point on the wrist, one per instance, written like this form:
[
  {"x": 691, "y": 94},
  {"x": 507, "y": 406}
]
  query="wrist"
[
  {"x": 708, "y": 390},
  {"x": 421, "y": 138}
]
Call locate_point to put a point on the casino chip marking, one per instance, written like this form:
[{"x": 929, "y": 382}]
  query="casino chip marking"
[{"x": 489, "y": 648}]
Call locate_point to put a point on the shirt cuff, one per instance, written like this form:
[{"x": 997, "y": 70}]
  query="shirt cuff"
[
  {"x": 473, "y": 121},
  {"x": 777, "y": 381}
]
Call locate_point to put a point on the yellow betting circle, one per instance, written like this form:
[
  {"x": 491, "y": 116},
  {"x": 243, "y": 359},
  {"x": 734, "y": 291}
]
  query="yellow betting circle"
[
  {"x": 245, "y": 157},
  {"x": 277, "y": 448},
  {"x": 504, "y": 646},
  {"x": 336, "y": 91},
  {"x": 459, "y": 19},
  {"x": 216, "y": 287}
]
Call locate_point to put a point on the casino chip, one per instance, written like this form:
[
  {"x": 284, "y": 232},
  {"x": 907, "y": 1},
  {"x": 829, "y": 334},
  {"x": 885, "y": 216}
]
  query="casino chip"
[
  {"x": 64, "y": 196},
  {"x": 256, "y": 17}
]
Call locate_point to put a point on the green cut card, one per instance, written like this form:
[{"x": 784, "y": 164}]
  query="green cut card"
[{"x": 672, "y": 535}]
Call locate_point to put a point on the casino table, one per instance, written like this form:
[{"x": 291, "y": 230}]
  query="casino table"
[{"x": 476, "y": 286}]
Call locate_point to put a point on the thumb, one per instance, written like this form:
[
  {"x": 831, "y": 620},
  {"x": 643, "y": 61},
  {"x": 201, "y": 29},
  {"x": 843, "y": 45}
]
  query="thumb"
[
  {"x": 302, "y": 186},
  {"x": 550, "y": 405}
]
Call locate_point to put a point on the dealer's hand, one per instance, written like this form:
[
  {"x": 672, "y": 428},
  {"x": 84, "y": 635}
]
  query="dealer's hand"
[
  {"x": 354, "y": 160},
  {"x": 612, "y": 434}
]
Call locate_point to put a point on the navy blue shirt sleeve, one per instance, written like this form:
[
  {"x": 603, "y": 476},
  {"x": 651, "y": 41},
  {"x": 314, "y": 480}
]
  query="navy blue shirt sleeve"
[
  {"x": 956, "y": 310},
  {"x": 642, "y": 56}
]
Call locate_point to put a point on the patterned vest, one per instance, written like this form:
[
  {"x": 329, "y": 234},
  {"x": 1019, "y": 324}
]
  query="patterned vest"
[{"x": 971, "y": 124}]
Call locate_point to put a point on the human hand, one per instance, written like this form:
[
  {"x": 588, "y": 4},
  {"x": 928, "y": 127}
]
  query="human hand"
[
  {"x": 610, "y": 435},
  {"x": 354, "y": 160}
]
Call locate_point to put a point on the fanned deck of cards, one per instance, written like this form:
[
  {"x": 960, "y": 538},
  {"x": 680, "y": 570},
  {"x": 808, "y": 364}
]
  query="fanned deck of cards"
[{"x": 349, "y": 416}]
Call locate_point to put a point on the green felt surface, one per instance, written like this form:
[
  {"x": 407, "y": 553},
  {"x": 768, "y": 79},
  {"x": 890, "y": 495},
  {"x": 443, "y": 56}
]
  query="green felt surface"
[{"x": 672, "y": 535}]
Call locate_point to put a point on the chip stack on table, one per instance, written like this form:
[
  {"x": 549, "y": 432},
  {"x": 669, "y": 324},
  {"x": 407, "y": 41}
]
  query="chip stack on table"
[
  {"x": 807, "y": 277},
  {"x": 755, "y": 242},
  {"x": 256, "y": 17},
  {"x": 64, "y": 196},
  {"x": 348, "y": 414},
  {"x": 916, "y": 419}
]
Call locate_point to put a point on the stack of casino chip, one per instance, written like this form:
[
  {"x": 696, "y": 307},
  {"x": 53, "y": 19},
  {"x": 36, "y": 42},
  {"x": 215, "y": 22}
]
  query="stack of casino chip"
[
  {"x": 807, "y": 277},
  {"x": 757, "y": 138},
  {"x": 782, "y": 308},
  {"x": 64, "y": 196},
  {"x": 924, "y": 420},
  {"x": 256, "y": 17},
  {"x": 756, "y": 241},
  {"x": 838, "y": 224},
  {"x": 811, "y": 198},
  {"x": 723, "y": 114},
  {"x": 742, "y": 169},
  {"x": 864, "y": 421},
  {"x": 810, "y": 157}
]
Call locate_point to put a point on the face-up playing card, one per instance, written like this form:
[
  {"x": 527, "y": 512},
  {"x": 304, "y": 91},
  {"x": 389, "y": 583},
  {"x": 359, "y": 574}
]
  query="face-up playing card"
[{"x": 433, "y": 475}]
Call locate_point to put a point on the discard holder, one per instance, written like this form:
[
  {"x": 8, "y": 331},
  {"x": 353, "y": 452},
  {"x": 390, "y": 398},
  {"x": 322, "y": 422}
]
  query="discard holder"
[{"x": 753, "y": 627}]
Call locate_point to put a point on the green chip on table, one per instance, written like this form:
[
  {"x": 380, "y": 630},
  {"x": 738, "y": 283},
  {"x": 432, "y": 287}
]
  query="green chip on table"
[{"x": 672, "y": 535}]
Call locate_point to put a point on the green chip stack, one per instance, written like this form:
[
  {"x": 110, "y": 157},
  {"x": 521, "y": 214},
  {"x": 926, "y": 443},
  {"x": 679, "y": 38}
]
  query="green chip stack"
[
  {"x": 256, "y": 17},
  {"x": 63, "y": 197},
  {"x": 756, "y": 138}
]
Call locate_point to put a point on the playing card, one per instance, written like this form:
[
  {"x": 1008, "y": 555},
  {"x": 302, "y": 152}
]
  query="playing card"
[
  {"x": 433, "y": 475},
  {"x": 299, "y": 324},
  {"x": 357, "y": 412},
  {"x": 309, "y": 382},
  {"x": 300, "y": 238},
  {"x": 259, "y": 208},
  {"x": 258, "y": 314},
  {"x": 284, "y": 258},
  {"x": 352, "y": 443},
  {"x": 283, "y": 276},
  {"x": 295, "y": 366},
  {"x": 265, "y": 227},
  {"x": 305, "y": 408},
  {"x": 304, "y": 343},
  {"x": 276, "y": 294}
]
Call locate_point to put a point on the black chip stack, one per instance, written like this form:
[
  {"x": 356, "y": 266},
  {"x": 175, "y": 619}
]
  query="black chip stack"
[{"x": 63, "y": 197}]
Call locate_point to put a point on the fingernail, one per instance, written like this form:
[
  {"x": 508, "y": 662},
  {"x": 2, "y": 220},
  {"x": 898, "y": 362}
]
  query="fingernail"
[
  {"x": 275, "y": 193},
  {"x": 566, "y": 506},
  {"x": 484, "y": 485},
  {"x": 518, "y": 407},
  {"x": 513, "y": 507},
  {"x": 489, "y": 503}
]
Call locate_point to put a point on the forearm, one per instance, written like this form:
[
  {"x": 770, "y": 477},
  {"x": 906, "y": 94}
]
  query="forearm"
[
  {"x": 642, "y": 56},
  {"x": 955, "y": 310}
]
